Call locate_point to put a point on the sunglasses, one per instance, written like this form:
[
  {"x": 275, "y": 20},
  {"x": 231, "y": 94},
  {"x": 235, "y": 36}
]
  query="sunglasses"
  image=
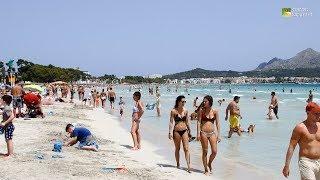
[{"x": 183, "y": 101}]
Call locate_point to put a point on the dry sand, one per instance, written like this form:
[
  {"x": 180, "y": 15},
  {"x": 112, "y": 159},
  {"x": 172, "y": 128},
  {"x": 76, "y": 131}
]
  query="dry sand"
[{"x": 33, "y": 143}]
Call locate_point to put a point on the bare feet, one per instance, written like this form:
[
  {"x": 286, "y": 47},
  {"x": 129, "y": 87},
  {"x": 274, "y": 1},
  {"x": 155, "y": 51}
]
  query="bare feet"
[
  {"x": 134, "y": 149},
  {"x": 210, "y": 168},
  {"x": 206, "y": 173},
  {"x": 139, "y": 146},
  {"x": 7, "y": 156}
]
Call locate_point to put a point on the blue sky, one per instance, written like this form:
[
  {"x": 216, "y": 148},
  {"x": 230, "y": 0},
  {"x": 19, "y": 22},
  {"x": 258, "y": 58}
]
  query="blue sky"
[{"x": 147, "y": 36}]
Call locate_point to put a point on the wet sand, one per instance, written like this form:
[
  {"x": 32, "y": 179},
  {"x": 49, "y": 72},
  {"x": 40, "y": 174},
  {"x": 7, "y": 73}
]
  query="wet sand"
[{"x": 34, "y": 159}]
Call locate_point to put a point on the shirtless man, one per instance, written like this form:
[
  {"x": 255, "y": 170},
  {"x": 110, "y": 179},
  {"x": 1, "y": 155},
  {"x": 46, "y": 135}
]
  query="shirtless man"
[
  {"x": 17, "y": 92},
  {"x": 111, "y": 97},
  {"x": 307, "y": 135},
  {"x": 273, "y": 105},
  {"x": 235, "y": 116}
]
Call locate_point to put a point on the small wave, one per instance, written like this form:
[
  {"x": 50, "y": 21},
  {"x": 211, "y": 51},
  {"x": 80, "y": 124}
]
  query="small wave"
[
  {"x": 240, "y": 95},
  {"x": 303, "y": 99},
  {"x": 262, "y": 91}
]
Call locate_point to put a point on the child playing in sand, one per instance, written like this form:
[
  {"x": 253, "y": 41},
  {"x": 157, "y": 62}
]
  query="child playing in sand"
[
  {"x": 121, "y": 104},
  {"x": 6, "y": 126}
]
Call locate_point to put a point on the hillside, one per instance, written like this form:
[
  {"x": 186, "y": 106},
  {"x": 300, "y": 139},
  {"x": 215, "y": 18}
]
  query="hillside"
[{"x": 308, "y": 58}]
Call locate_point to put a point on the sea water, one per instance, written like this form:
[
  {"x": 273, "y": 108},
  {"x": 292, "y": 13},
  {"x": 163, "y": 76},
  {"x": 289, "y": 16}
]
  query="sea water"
[{"x": 262, "y": 153}]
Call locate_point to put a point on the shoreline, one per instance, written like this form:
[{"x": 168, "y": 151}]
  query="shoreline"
[
  {"x": 147, "y": 155},
  {"x": 33, "y": 156},
  {"x": 223, "y": 168}
]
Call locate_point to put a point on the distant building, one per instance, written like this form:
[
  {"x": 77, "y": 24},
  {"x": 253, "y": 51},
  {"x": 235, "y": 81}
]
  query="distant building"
[
  {"x": 154, "y": 76},
  {"x": 86, "y": 72}
]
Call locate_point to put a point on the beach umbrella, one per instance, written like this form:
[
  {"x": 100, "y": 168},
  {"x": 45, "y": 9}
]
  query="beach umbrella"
[
  {"x": 33, "y": 87},
  {"x": 31, "y": 98}
]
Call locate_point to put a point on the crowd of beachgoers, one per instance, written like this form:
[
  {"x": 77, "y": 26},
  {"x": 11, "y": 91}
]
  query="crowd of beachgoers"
[{"x": 26, "y": 102}]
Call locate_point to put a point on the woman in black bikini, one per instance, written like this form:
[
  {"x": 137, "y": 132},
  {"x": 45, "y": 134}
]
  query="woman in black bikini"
[
  {"x": 207, "y": 119},
  {"x": 180, "y": 130}
]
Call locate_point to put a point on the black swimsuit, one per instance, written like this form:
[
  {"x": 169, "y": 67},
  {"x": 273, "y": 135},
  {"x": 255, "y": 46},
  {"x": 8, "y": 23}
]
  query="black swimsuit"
[{"x": 177, "y": 119}]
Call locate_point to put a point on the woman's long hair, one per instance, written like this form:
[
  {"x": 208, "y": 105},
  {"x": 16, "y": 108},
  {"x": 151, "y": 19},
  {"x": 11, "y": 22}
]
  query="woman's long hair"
[{"x": 179, "y": 98}]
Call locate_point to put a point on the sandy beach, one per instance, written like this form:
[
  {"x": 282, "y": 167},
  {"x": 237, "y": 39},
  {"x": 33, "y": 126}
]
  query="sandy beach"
[{"x": 34, "y": 158}]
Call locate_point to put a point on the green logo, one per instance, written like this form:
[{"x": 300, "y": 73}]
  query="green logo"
[{"x": 286, "y": 12}]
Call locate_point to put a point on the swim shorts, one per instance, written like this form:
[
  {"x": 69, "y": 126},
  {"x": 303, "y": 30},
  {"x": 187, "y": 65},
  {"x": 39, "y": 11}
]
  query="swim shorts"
[
  {"x": 234, "y": 121},
  {"x": 90, "y": 141},
  {"x": 309, "y": 168},
  {"x": 17, "y": 102}
]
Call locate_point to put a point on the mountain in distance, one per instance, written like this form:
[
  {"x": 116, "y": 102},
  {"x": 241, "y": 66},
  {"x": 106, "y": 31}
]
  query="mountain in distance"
[
  {"x": 307, "y": 58},
  {"x": 305, "y": 64},
  {"x": 202, "y": 73}
]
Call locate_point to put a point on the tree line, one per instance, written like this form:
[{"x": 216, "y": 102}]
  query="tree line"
[{"x": 29, "y": 71}]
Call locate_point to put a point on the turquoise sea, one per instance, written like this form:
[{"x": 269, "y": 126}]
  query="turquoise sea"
[{"x": 260, "y": 155}]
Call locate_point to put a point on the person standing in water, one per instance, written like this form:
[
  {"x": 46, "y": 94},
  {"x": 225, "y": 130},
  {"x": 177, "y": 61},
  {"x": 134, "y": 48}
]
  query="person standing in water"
[
  {"x": 121, "y": 104},
  {"x": 273, "y": 106},
  {"x": 306, "y": 134},
  {"x": 195, "y": 102},
  {"x": 208, "y": 118},
  {"x": 235, "y": 116},
  {"x": 111, "y": 97},
  {"x": 136, "y": 118},
  {"x": 158, "y": 105},
  {"x": 310, "y": 98},
  {"x": 179, "y": 130}
]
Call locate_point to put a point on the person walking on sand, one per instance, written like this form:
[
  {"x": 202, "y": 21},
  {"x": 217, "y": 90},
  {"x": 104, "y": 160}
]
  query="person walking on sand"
[
  {"x": 94, "y": 97},
  {"x": 208, "y": 118},
  {"x": 158, "y": 105},
  {"x": 179, "y": 130},
  {"x": 235, "y": 116},
  {"x": 306, "y": 134},
  {"x": 103, "y": 97},
  {"x": 17, "y": 92},
  {"x": 136, "y": 118},
  {"x": 111, "y": 97},
  {"x": 72, "y": 92},
  {"x": 81, "y": 93},
  {"x": 273, "y": 106}
]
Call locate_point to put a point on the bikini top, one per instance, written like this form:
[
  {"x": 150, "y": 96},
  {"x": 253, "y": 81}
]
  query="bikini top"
[
  {"x": 205, "y": 118},
  {"x": 135, "y": 109},
  {"x": 178, "y": 119}
]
